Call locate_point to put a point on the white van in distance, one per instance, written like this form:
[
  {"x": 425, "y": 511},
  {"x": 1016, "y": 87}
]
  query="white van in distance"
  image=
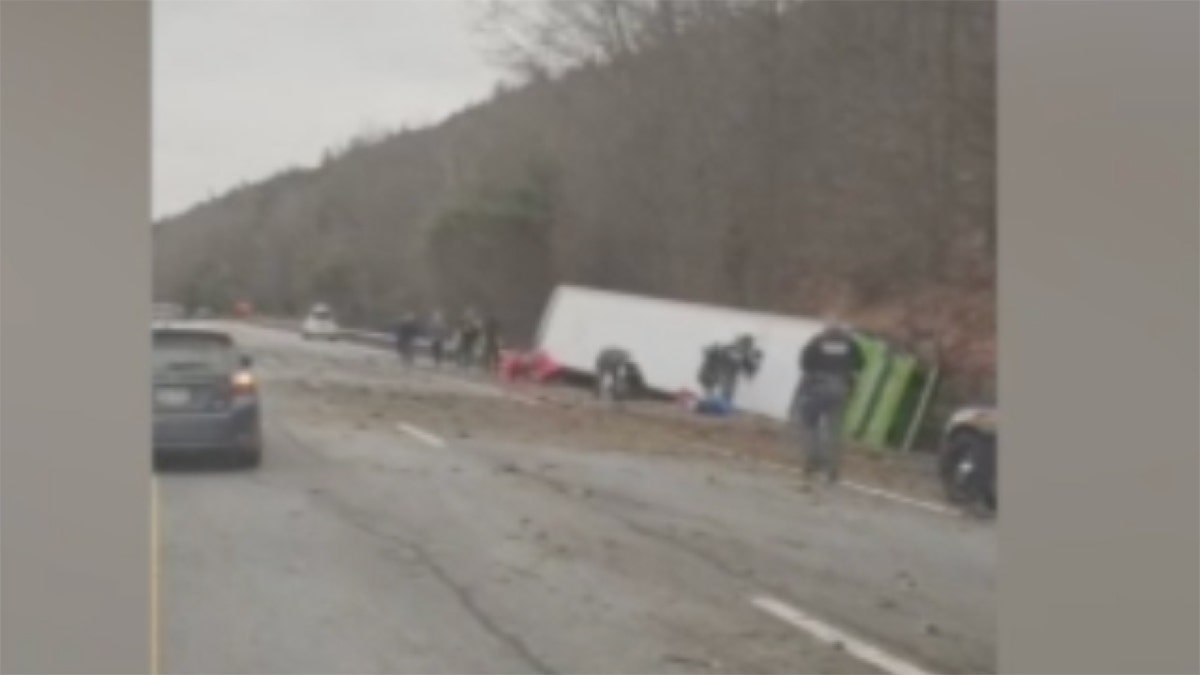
[{"x": 320, "y": 324}]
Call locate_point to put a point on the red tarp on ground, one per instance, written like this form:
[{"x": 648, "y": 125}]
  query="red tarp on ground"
[{"x": 536, "y": 366}]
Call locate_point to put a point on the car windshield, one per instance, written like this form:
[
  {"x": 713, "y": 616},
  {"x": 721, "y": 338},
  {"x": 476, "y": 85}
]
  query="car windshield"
[
  {"x": 184, "y": 352},
  {"x": 322, "y": 315}
]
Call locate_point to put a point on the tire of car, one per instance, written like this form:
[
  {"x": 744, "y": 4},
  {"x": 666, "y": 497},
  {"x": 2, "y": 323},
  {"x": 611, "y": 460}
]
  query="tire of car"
[{"x": 963, "y": 444}]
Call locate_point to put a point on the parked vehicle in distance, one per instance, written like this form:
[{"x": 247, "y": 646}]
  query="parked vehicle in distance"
[
  {"x": 320, "y": 324},
  {"x": 166, "y": 313},
  {"x": 206, "y": 399},
  {"x": 967, "y": 461}
]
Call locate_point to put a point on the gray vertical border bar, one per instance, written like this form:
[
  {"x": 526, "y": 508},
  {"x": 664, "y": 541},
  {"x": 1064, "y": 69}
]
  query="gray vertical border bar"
[
  {"x": 75, "y": 573},
  {"x": 1099, "y": 175}
]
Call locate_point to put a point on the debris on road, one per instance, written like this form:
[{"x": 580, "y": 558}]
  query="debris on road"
[
  {"x": 907, "y": 580},
  {"x": 571, "y": 419},
  {"x": 689, "y": 661}
]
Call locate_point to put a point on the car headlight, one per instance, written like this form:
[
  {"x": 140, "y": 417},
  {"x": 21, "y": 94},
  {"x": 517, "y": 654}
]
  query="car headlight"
[{"x": 244, "y": 383}]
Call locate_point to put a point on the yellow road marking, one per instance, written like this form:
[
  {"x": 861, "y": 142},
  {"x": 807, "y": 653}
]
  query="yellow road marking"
[{"x": 154, "y": 582}]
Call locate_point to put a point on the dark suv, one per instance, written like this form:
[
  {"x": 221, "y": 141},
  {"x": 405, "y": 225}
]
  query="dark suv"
[
  {"x": 967, "y": 461},
  {"x": 205, "y": 398}
]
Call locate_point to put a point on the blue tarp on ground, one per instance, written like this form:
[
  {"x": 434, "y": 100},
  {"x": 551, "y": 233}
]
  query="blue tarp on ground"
[{"x": 714, "y": 406}]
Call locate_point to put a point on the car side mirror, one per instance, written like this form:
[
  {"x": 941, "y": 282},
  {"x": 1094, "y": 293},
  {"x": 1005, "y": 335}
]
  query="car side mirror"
[{"x": 247, "y": 361}]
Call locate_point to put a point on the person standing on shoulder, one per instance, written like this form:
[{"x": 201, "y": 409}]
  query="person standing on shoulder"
[
  {"x": 398, "y": 336},
  {"x": 491, "y": 342},
  {"x": 829, "y": 365},
  {"x": 406, "y": 335},
  {"x": 468, "y": 338},
  {"x": 437, "y": 336}
]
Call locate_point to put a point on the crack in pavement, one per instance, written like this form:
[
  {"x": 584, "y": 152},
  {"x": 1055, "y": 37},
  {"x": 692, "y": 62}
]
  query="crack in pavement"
[
  {"x": 353, "y": 517},
  {"x": 468, "y": 602},
  {"x": 646, "y": 532},
  {"x": 460, "y": 592},
  {"x": 744, "y": 575}
]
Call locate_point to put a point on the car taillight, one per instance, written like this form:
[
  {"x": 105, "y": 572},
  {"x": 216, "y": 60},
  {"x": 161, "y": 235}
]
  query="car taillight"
[{"x": 243, "y": 384}]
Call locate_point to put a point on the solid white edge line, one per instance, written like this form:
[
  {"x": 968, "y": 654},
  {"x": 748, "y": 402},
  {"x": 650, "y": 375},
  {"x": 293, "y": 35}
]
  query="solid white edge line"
[
  {"x": 851, "y": 644},
  {"x": 155, "y": 578},
  {"x": 884, "y": 494},
  {"x": 420, "y": 434}
]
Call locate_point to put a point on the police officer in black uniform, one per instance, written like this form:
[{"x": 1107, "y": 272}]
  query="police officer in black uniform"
[
  {"x": 406, "y": 334},
  {"x": 829, "y": 364}
]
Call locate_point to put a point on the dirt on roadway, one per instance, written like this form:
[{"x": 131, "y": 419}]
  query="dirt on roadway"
[
  {"x": 559, "y": 412},
  {"x": 520, "y": 534}
]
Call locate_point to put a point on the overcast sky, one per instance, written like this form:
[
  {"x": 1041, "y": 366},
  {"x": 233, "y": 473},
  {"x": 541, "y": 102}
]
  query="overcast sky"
[{"x": 243, "y": 88}]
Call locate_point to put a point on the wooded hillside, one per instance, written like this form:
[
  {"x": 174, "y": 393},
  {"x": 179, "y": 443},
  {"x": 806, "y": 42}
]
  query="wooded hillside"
[{"x": 798, "y": 157}]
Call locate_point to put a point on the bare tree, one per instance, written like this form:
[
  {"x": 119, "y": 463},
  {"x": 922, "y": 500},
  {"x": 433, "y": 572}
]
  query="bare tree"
[
  {"x": 776, "y": 155},
  {"x": 547, "y": 37}
]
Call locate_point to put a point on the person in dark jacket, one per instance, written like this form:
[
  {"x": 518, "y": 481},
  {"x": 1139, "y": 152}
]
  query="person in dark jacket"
[
  {"x": 829, "y": 363},
  {"x": 711, "y": 366},
  {"x": 438, "y": 334},
  {"x": 469, "y": 333},
  {"x": 617, "y": 376},
  {"x": 742, "y": 359},
  {"x": 406, "y": 335},
  {"x": 490, "y": 336},
  {"x": 723, "y": 365}
]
